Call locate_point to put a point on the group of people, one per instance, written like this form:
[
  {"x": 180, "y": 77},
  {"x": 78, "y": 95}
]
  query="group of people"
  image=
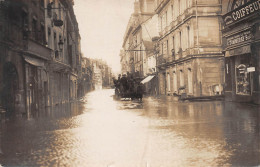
[{"x": 126, "y": 86}]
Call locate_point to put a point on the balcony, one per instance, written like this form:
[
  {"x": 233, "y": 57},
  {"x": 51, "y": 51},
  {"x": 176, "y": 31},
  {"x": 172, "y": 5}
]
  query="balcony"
[{"x": 161, "y": 60}]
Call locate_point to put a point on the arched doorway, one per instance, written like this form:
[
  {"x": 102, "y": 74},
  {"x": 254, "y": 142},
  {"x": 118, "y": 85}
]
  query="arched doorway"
[{"x": 10, "y": 88}]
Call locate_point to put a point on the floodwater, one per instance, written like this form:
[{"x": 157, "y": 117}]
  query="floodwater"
[{"x": 158, "y": 132}]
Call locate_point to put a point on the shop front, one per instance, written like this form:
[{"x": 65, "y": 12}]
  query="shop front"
[{"x": 241, "y": 38}]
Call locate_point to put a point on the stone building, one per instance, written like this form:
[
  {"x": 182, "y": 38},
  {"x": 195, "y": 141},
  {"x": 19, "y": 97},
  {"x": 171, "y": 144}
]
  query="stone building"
[
  {"x": 85, "y": 83},
  {"x": 190, "y": 60},
  {"x": 143, "y": 31},
  {"x": 126, "y": 55},
  {"x": 37, "y": 62},
  {"x": 102, "y": 74},
  {"x": 64, "y": 41},
  {"x": 137, "y": 44},
  {"x": 24, "y": 57},
  {"x": 124, "y": 61},
  {"x": 241, "y": 39}
]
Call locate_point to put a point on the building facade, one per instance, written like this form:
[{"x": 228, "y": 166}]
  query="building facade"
[
  {"x": 190, "y": 60},
  {"x": 37, "y": 63},
  {"x": 24, "y": 59},
  {"x": 241, "y": 37},
  {"x": 85, "y": 83}
]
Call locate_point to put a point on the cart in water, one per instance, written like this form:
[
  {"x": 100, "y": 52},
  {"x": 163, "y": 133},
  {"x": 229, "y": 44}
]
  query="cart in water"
[{"x": 128, "y": 88}]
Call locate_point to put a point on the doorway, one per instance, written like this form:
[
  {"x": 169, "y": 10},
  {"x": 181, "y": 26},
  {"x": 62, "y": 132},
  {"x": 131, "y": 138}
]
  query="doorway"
[{"x": 10, "y": 88}]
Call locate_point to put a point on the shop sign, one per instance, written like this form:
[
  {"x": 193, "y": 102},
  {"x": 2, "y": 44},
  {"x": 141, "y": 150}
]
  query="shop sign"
[
  {"x": 239, "y": 38},
  {"x": 238, "y": 51},
  {"x": 250, "y": 69},
  {"x": 243, "y": 11}
]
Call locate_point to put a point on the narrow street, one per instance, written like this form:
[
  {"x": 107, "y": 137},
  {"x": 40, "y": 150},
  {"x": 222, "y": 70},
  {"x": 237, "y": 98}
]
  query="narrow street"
[{"x": 158, "y": 132}]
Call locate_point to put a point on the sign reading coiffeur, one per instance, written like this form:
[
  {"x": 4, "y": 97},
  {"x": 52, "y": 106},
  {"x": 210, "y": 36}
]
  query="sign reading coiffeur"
[{"x": 243, "y": 11}]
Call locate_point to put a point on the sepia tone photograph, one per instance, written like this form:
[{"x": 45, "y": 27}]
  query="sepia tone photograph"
[{"x": 129, "y": 83}]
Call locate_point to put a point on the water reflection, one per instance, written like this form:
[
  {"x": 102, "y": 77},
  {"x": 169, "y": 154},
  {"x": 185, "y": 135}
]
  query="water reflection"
[{"x": 100, "y": 132}]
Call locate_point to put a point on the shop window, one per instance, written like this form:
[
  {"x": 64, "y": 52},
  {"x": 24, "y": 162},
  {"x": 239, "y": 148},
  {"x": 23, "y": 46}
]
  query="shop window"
[{"x": 243, "y": 86}]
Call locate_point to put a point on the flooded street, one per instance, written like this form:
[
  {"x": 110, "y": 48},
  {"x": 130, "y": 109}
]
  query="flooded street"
[{"x": 158, "y": 132}]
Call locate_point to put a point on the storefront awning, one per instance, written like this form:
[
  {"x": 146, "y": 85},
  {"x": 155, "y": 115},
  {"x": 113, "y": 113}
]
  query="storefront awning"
[
  {"x": 147, "y": 79},
  {"x": 34, "y": 61}
]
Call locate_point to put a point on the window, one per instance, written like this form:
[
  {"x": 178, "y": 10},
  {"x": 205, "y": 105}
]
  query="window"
[
  {"x": 180, "y": 39},
  {"x": 24, "y": 16},
  {"x": 166, "y": 19},
  {"x": 60, "y": 39},
  {"x": 190, "y": 87},
  {"x": 55, "y": 40},
  {"x": 134, "y": 56},
  {"x": 161, "y": 19},
  {"x": 181, "y": 78},
  {"x": 167, "y": 48},
  {"x": 188, "y": 37},
  {"x": 59, "y": 11},
  {"x": 141, "y": 53},
  {"x": 179, "y": 8},
  {"x": 172, "y": 12},
  {"x": 24, "y": 25},
  {"x": 174, "y": 81},
  {"x": 243, "y": 84},
  {"x": 242, "y": 80},
  {"x": 162, "y": 48},
  {"x": 43, "y": 34},
  {"x": 168, "y": 82},
  {"x": 34, "y": 28},
  {"x": 173, "y": 48}
]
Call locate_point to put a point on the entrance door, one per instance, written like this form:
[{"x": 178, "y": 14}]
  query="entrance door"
[{"x": 10, "y": 88}]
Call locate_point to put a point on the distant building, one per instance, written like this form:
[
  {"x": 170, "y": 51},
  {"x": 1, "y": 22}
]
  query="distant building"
[
  {"x": 85, "y": 84},
  {"x": 102, "y": 74}
]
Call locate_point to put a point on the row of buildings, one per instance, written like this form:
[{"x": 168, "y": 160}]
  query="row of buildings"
[
  {"x": 195, "y": 48},
  {"x": 96, "y": 75},
  {"x": 41, "y": 63}
]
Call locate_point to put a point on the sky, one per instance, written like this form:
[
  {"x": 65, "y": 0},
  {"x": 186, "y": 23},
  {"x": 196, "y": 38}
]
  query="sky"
[{"x": 102, "y": 25}]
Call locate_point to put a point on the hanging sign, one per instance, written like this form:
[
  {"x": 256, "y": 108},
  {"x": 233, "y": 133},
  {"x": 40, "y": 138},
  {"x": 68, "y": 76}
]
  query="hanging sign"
[{"x": 250, "y": 69}]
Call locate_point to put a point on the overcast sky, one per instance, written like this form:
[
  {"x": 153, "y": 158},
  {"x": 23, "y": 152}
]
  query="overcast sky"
[{"x": 102, "y": 24}]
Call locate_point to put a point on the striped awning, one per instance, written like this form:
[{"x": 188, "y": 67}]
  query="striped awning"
[{"x": 147, "y": 79}]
